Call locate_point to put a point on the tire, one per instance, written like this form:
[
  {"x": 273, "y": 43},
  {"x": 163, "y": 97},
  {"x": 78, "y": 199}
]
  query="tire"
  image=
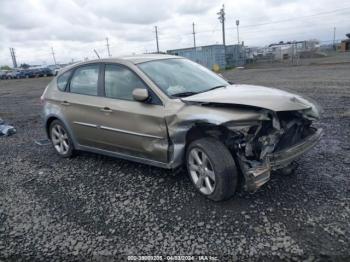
[
  {"x": 61, "y": 140},
  {"x": 218, "y": 178}
]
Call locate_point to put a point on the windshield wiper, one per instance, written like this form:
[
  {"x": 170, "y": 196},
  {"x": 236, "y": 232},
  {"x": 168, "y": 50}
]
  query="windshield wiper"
[
  {"x": 215, "y": 87},
  {"x": 184, "y": 94},
  {"x": 191, "y": 93}
]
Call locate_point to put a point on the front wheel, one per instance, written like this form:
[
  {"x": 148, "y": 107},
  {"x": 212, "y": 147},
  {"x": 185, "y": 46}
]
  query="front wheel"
[{"x": 212, "y": 168}]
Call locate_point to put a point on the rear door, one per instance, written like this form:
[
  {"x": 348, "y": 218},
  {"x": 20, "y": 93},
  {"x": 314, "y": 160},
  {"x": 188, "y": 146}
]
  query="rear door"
[
  {"x": 82, "y": 105},
  {"x": 128, "y": 126}
]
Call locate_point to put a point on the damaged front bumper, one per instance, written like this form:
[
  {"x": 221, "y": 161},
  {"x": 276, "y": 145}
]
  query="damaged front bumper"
[{"x": 259, "y": 175}]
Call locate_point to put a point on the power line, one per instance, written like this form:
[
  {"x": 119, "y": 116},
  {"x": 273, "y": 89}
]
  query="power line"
[
  {"x": 282, "y": 21},
  {"x": 299, "y": 17}
]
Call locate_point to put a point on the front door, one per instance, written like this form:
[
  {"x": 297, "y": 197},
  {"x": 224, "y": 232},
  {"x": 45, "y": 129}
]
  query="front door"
[{"x": 128, "y": 126}]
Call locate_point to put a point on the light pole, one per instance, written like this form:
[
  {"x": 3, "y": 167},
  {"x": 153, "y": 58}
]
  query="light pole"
[{"x": 237, "y": 24}]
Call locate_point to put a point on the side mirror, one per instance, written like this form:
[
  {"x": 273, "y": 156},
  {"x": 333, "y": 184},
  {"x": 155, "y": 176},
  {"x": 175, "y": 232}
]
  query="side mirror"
[{"x": 140, "y": 94}]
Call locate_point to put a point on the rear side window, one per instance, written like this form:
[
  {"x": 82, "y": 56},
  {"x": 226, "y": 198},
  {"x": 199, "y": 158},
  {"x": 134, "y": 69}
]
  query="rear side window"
[
  {"x": 85, "y": 80},
  {"x": 120, "y": 82},
  {"x": 62, "y": 80}
]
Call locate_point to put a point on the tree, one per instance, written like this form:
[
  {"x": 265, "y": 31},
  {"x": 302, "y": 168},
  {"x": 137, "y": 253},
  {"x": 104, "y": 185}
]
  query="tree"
[{"x": 5, "y": 67}]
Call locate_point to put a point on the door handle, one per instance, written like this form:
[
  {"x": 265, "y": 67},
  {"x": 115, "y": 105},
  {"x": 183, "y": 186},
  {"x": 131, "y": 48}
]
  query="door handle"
[
  {"x": 106, "y": 110},
  {"x": 65, "y": 103}
]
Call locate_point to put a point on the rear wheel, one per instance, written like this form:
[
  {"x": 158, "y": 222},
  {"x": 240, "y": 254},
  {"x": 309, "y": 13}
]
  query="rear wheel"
[
  {"x": 61, "y": 141},
  {"x": 212, "y": 169}
]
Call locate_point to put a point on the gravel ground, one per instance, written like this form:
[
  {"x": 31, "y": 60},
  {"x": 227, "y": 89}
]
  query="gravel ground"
[{"x": 94, "y": 207}]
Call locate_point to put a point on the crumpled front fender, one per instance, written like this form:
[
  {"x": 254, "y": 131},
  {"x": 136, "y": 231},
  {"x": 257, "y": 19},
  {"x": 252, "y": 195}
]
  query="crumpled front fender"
[{"x": 188, "y": 116}]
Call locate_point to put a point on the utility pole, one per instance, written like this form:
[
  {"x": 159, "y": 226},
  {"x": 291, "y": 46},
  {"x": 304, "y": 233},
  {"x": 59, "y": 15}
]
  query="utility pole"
[
  {"x": 53, "y": 55},
  {"x": 109, "y": 53},
  {"x": 222, "y": 21},
  {"x": 194, "y": 36},
  {"x": 237, "y": 24},
  {"x": 156, "y": 28},
  {"x": 334, "y": 30},
  {"x": 96, "y": 54},
  {"x": 13, "y": 56}
]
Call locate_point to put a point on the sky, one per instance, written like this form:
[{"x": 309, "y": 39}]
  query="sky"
[{"x": 74, "y": 28}]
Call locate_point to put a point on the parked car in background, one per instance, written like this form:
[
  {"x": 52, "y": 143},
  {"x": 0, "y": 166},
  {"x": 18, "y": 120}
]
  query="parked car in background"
[
  {"x": 47, "y": 71},
  {"x": 14, "y": 74},
  {"x": 28, "y": 73},
  {"x": 36, "y": 72},
  {"x": 3, "y": 74},
  {"x": 168, "y": 111},
  {"x": 42, "y": 72},
  {"x": 55, "y": 69}
]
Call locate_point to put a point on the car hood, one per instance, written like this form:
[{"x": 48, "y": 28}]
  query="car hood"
[{"x": 256, "y": 96}]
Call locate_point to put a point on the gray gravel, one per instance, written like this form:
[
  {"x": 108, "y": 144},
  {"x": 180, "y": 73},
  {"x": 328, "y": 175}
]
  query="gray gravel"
[{"x": 94, "y": 207}]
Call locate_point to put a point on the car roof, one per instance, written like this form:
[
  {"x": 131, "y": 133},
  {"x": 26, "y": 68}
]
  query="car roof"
[{"x": 134, "y": 59}]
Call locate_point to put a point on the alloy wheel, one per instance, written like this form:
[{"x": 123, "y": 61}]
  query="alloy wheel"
[
  {"x": 201, "y": 171},
  {"x": 60, "y": 139}
]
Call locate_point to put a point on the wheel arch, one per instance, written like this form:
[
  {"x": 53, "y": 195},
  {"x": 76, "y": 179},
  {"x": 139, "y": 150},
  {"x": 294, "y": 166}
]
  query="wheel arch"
[
  {"x": 219, "y": 132},
  {"x": 48, "y": 122},
  {"x": 207, "y": 129},
  {"x": 52, "y": 118}
]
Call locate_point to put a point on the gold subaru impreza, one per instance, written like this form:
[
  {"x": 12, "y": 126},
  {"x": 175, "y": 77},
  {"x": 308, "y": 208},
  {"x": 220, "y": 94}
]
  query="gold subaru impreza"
[{"x": 169, "y": 112}]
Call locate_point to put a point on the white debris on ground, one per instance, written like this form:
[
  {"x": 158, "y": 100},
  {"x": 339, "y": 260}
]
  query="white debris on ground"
[{"x": 6, "y": 130}]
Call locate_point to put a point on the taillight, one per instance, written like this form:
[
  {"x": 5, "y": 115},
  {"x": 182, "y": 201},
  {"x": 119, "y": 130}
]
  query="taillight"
[{"x": 42, "y": 100}]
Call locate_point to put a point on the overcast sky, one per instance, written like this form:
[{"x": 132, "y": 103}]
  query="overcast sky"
[{"x": 75, "y": 27}]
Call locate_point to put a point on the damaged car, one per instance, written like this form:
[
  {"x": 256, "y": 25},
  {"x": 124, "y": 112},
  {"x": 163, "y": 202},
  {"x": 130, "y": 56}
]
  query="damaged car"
[{"x": 169, "y": 112}]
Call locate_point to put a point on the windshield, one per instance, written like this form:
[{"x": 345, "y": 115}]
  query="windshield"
[{"x": 181, "y": 77}]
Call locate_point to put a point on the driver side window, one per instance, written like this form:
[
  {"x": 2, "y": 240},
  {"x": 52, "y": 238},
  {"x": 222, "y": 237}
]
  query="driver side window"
[{"x": 120, "y": 82}]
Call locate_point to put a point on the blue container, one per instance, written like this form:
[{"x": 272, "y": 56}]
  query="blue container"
[{"x": 210, "y": 55}]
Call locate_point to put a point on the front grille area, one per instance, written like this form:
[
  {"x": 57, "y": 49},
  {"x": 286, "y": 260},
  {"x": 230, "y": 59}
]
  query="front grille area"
[
  {"x": 296, "y": 128},
  {"x": 293, "y": 136}
]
